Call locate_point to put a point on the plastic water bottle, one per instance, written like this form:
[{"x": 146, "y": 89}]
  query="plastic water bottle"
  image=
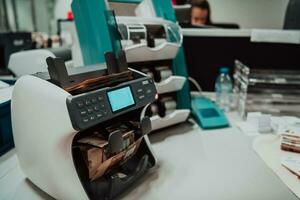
[{"x": 223, "y": 88}]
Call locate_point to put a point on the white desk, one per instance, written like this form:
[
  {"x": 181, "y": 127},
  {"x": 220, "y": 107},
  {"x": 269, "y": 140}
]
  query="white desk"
[
  {"x": 216, "y": 32},
  {"x": 192, "y": 164}
]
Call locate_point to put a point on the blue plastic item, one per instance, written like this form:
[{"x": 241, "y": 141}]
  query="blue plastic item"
[
  {"x": 6, "y": 138},
  {"x": 207, "y": 114}
]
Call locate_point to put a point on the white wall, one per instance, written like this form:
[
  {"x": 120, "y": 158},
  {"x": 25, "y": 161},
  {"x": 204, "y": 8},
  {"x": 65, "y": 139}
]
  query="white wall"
[
  {"x": 10, "y": 15},
  {"x": 24, "y": 15},
  {"x": 246, "y": 13},
  {"x": 250, "y": 13},
  {"x": 61, "y": 8},
  {"x": 43, "y": 16}
]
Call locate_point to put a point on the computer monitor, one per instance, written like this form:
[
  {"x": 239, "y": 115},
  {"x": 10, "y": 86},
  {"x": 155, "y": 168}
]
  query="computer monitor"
[
  {"x": 183, "y": 13},
  {"x": 11, "y": 43},
  {"x": 292, "y": 16}
]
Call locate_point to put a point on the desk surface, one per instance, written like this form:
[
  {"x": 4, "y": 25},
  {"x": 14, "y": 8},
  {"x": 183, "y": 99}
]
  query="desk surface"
[{"x": 192, "y": 164}]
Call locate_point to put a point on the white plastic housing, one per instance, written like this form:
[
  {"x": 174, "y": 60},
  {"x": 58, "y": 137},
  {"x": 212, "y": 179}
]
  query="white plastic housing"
[
  {"x": 171, "y": 84},
  {"x": 43, "y": 136},
  {"x": 165, "y": 49},
  {"x": 142, "y": 53},
  {"x": 29, "y": 62}
]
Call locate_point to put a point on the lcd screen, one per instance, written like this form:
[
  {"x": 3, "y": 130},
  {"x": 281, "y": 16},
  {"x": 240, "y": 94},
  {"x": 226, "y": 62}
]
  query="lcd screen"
[{"x": 120, "y": 98}]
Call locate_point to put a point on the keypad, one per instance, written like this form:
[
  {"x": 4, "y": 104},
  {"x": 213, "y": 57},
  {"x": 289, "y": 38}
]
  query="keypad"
[
  {"x": 148, "y": 91},
  {"x": 83, "y": 112},
  {"x": 100, "y": 98},
  {"x": 140, "y": 90},
  {"x": 89, "y": 109},
  {"x": 144, "y": 91},
  {"x": 92, "y": 108},
  {"x": 94, "y": 100},
  {"x": 80, "y": 104},
  {"x": 99, "y": 115},
  {"x": 92, "y": 117},
  {"x": 96, "y": 108},
  {"x": 87, "y": 102},
  {"x": 85, "y": 120}
]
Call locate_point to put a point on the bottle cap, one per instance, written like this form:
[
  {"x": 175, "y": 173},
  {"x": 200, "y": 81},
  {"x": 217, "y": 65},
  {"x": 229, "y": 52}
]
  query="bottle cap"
[{"x": 224, "y": 70}]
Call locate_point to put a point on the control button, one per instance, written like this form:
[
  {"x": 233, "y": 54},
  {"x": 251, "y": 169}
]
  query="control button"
[
  {"x": 104, "y": 113},
  {"x": 92, "y": 117},
  {"x": 102, "y": 105},
  {"x": 94, "y": 100},
  {"x": 140, "y": 90},
  {"x": 100, "y": 98},
  {"x": 141, "y": 97},
  {"x": 149, "y": 91},
  {"x": 96, "y": 108},
  {"x": 146, "y": 82},
  {"x": 87, "y": 102},
  {"x": 83, "y": 112},
  {"x": 99, "y": 115},
  {"x": 80, "y": 104},
  {"x": 85, "y": 120},
  {"x": 90, "y": 110}
]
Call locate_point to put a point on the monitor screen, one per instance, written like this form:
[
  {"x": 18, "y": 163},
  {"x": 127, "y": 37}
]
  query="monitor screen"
[{"x": 120, "y": 98}]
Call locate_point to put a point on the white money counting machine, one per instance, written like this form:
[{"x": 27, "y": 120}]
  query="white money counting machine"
[
  {"x": 151, "y": 45},
  {"x": 81, "y": 135}
]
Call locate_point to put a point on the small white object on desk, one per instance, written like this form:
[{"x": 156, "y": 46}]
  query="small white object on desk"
[
  {"x": 264, "y": 124},
  {"x": 257, "y": 123},
  {"x": 292, "y": 163}
]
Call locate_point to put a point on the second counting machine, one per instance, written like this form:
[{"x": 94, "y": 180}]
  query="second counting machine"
[
  {"x": 79, "y": 134},
  {"x": 151, "y": 39}
]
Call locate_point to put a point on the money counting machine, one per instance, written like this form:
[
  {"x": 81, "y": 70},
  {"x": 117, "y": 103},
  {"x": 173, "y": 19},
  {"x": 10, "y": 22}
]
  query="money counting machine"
[
  {"x": 151, "y": 44},
  {"x": 82, "y": 135}
]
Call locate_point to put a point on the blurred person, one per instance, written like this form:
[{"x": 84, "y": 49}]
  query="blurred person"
[{"x": 200, "y": 12}]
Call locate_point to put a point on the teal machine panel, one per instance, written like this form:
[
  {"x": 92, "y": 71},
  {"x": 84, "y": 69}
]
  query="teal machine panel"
[{"x": 96, "y": 36}]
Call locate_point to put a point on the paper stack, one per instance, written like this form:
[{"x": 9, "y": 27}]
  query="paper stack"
[
  {"x": 291, "y": 142},
  {"x": 292, "y": 163}
]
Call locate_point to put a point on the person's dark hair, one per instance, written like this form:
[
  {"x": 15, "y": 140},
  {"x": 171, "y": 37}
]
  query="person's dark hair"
[{"x": 203, "y": 4}]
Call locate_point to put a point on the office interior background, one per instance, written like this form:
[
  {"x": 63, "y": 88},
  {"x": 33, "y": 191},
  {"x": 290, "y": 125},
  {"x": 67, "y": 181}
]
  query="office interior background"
[
  {"x": 140, "y": 103},
  {"x": 33, "y": 15}
]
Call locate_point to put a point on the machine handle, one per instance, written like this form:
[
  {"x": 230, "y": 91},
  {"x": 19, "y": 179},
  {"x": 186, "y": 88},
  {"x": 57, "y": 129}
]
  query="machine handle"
[{"x": 146, "y": 126}]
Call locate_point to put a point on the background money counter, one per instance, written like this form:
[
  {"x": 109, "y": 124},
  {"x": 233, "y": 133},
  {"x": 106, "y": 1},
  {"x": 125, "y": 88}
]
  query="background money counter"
[{"x": 85, "y": 133}]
